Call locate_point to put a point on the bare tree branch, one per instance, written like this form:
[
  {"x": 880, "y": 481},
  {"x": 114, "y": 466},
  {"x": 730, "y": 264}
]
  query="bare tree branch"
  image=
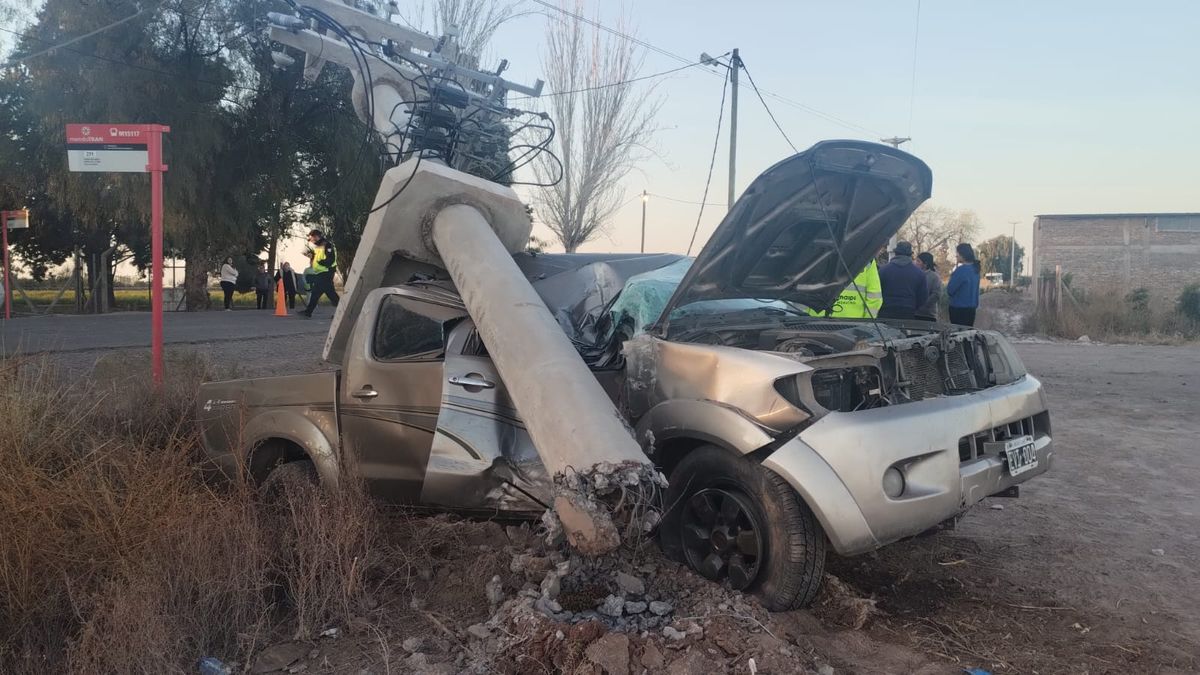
[
  {"x": 602, "y": 131},
  {"x": 476, "y": 20},
  {"x": 939, "y": 229}
]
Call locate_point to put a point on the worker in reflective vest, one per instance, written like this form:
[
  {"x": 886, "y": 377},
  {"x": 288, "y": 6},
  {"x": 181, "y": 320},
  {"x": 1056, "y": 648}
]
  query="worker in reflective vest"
[
  {"x": 324, "y": 263},
  {"x": 860, "y": 300}
]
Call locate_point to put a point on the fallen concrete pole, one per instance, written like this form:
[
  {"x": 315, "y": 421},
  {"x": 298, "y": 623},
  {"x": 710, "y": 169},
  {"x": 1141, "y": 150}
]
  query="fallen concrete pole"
[
  {"x": 581, "y": 438},
  {"x": 471, "y": 227}
]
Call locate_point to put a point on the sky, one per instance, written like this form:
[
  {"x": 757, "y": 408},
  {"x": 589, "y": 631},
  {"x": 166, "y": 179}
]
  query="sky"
[{"x": 1020, "y": 108}]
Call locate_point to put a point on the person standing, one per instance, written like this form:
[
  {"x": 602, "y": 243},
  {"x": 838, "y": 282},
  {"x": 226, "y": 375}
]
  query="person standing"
[
  {"x": 859, "y": 300},
  {"x": 933, "y": 287},
  {"x": 262, "y": 287},
  {"x": 229, "y": 276},
  {"x": 963, "y": 287},
  {"x": 903, "y": 285},
  {"x": 286, "y": 274},
  {"x": 324, "y": 264}
]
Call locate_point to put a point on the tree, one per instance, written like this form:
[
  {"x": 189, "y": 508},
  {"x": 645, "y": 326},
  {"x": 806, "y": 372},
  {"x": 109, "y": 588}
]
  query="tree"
[
  {"x": 995, "y": 255},
  {"x": 601, "y": 130},
  {"x": 476, "y": 21},
  {"x": 938, "y": 229}
]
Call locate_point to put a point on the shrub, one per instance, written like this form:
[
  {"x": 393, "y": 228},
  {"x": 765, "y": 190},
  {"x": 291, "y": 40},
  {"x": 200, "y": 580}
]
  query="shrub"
[
  {"x": 115, "y": 556},
  {"x": 1189, "y": 302},
  {"x": 1138, "y": 300}
]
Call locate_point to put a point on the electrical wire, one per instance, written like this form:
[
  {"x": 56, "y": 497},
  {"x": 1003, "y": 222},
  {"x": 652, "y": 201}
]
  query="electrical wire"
[
  {"x": 829, "y": 117},
  {"x": 135, "y": 66},
  {"x": 85, "y": 36},
  {"x": 612, "y": 84},
  {"x": 766, "y": 107},
  {"x": 681, "y": 201},
  {"x": 912, "y": 91},
  {"x": 712, "y": 162},
  {"x": 837, "y": 248},
  {"x": 612, "y": 31}
]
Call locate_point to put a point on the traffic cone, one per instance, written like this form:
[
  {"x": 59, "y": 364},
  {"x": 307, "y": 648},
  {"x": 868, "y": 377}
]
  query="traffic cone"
[{"x": 280, "y": 301}]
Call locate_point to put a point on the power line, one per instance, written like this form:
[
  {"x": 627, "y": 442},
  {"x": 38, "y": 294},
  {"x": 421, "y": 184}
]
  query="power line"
[
  {"x": 135, "y": 66},
  {"x": 610, "y": 84},
  {"x": 711, "y": 163},
  {"x": 613, "y": 31},
  {"x": 767, "y": 107},
  {"x": 85, "y": 36},
  {"x": 912, "y": 91},
  {"x": 681, "y": 201},
  {"x": 829, "y": 117}
]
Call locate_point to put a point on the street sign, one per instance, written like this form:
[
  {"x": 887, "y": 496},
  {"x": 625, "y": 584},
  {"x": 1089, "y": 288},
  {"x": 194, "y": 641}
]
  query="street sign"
[
  {"x": 133, "y": 148},
  {"x": 108, "y": 147},
  {"x": 16, "y": 220}
]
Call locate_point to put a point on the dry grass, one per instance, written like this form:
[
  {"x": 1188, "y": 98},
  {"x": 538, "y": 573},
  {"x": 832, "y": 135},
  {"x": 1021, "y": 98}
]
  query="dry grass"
[
  {"x": 117, "y": 556},
  {"x": 1116, "y": 315}
]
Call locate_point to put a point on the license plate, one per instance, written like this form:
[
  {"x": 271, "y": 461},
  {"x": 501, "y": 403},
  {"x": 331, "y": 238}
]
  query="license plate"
[{"x": 1021, "y": 455}]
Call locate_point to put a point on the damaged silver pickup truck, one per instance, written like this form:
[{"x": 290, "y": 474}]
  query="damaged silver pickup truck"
[{"x": 782, "y": 434}]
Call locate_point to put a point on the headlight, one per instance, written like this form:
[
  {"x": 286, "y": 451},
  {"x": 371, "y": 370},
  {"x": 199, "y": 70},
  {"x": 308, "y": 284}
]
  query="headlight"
[{"x": 834, "y": 389}]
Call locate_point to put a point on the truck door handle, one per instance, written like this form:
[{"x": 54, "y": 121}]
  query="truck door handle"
[
  {"x": 472, "y": 382},
  {"x": 365, "y": 392}
]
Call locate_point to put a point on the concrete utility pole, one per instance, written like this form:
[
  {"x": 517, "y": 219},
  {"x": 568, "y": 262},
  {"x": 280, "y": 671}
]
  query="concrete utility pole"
[
  {"x": 1012, "y": 256},
  {"x": 433, "y": 214},
  {"x": 734, "y": 65},
  {"x": 645, "y": 198}
]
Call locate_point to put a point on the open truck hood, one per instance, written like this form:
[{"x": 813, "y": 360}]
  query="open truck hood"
[{"x": 781, "y": 240}]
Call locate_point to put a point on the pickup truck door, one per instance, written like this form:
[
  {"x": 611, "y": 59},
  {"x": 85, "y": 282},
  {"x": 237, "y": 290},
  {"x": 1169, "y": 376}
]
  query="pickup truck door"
[
  {"x": 483, "y": 458},
  {"x": 392, "y": 389}
]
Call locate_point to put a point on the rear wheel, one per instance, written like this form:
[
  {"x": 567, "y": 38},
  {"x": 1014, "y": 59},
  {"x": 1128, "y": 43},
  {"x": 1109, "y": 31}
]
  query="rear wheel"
[
  {"x": 287, "y": 479},
  {"x": 731, "y": 519}
]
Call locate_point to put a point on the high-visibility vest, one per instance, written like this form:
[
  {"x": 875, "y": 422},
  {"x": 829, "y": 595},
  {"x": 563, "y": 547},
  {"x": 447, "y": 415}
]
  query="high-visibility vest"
[
  {"x": 321, "y": 254},
  {"x": 860, "y": 300}
]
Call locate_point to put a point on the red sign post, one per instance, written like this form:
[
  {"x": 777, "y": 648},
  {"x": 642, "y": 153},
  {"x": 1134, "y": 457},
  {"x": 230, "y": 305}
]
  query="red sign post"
[{"x": 130, "y": 148}]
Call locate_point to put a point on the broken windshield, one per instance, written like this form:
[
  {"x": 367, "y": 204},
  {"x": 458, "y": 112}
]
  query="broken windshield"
[{"x": 645, "y": 295}]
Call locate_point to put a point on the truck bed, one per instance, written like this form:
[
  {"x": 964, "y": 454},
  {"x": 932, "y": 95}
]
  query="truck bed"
[{"x": 234, "y": 416}]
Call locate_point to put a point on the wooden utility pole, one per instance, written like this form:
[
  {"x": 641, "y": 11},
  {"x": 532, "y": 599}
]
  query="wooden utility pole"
[
  {"x": 1012, "y": 256},
  {"x": 735, "y": 64},
  {"x": 645, "y": 198}
]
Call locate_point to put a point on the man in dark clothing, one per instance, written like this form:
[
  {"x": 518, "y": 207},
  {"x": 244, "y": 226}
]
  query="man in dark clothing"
[
  {"x": 324, "y": 263},
  {"x": 903, "y": 285},
  {"x": 262, "y": 287}
]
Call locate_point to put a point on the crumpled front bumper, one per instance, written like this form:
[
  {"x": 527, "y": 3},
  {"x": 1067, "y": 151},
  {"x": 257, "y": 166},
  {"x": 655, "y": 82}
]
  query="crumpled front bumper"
[{"x": 837, "y": 464}]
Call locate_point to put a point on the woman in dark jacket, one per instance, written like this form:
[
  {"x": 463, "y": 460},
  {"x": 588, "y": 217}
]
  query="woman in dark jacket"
[
  {"x": 963, "y": 287},
  {"x": 933, "y": 287}
]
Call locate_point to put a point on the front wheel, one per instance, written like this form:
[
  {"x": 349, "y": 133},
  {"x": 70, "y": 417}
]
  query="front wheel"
[{"x": 730, "y": 519}]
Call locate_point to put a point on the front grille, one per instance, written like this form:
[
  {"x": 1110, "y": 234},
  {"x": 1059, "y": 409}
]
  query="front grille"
[
  {"x": 960, "y": 374},
  {"x": 924, "y": 371},
  {"x": 972, "y": 446},
  {"x": 920, "y": 377}
]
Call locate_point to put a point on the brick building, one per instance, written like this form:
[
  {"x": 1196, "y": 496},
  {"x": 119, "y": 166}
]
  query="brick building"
[{"x": 1120, "y": 251}]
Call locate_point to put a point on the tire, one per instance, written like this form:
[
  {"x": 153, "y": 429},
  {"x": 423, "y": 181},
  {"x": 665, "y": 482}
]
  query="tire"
[
  {"x": 763, "y": 539},
  {"x": 287, "y": 479}
]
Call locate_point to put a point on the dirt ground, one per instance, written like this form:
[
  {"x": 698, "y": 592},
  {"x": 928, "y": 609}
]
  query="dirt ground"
[{"x": 1094, "y": 569}]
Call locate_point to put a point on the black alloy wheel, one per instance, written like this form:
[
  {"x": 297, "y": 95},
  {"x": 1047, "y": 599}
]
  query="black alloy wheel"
[{"x": 722, "y": 536}]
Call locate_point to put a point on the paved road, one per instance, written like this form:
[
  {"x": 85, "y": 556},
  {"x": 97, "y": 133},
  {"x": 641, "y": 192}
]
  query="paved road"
[{"x": 69, "y": 333}]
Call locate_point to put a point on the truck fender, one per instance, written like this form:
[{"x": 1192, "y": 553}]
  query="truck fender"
[
  {"x": 708, "y": 421},
  {"x": 826, "y": 495},
  {"x": 299, "y": 429}
]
